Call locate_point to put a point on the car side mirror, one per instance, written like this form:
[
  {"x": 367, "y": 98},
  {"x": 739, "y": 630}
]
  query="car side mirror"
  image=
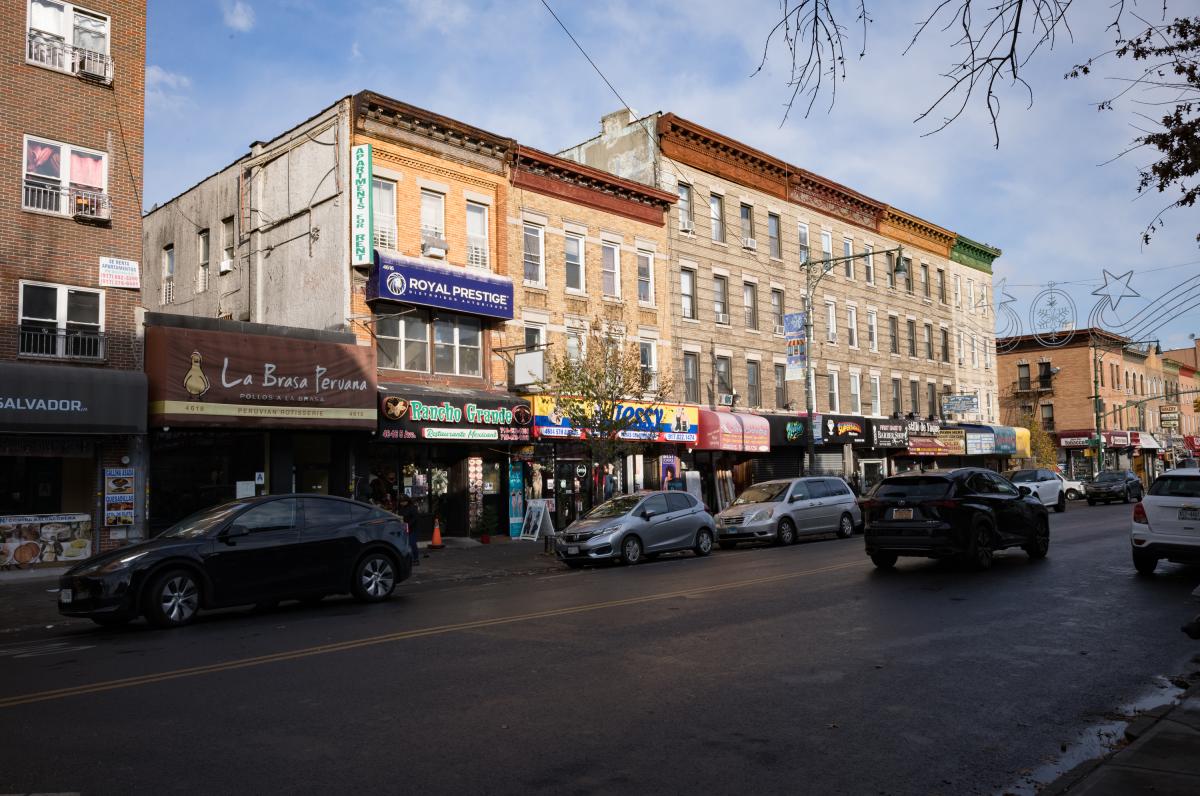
[
  {"x": 235, "y": 532},
  {"x": 647, "y": 514},
  {"x": 794, "y": 498},
  {"x": 1025, "y": 491}
]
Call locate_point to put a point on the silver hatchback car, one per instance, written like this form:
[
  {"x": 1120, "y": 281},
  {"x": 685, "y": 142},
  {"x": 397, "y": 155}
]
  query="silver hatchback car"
[
  {"x": 781, "y": 511},
  {"x": 632, "y": 527}
]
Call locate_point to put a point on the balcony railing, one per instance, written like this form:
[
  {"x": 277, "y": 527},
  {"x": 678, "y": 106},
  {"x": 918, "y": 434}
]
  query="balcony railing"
[
  {"x": 477, "y": 251},
  {"x": 385, "y": 231},
  {"x": 57, "y": 54},
  {"x": 1040, "y": 384},
  {"x": 84, "y": 203},
  {"x": 39, "y": 341}
]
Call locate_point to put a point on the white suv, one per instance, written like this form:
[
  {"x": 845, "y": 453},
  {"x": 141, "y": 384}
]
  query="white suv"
[
  {"x": 1166, "y": 523},
  {"x": 1045, "y": 485}
]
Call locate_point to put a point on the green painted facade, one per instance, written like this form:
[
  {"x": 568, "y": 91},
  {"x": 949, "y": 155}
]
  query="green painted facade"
[{"x": 973, "y": 254}]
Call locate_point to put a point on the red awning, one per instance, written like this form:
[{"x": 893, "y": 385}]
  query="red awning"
[
  {"x": 1192, "y": 442},
  {"x": 926, "y": 446},
  {"x": 733, "y": 431},
  {"x": 756, "y": 433}
]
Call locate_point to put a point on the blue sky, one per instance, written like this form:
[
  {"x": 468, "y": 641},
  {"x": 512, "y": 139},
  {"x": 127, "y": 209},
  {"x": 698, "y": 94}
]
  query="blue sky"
[{"x": 223, "y": 73}]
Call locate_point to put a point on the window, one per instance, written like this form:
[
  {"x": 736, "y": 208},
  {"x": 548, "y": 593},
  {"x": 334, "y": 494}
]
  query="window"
[
  {"x": 68, "y": 38},
  {"x": 574, "y": 344},
  {"x": 403, "y": 341},
  {"x": 456, "y": 342},
  {"x": 61, "y": 321},
  {"x": 970, "y": 295},
  {"x": 777, "y": 310},
  {"x": 533, "y": 241},
  {"x": 890, "y": 265},
  {"x": 753, "y": 384},
  {"x": 914, "y": 394},
  {"x": 747, "y": 219},
  {"x": 716, "y": 215},
  {"x": 534, "y": 337},
  {"x": 687, "y": 293},
  {"x": 876, "y": 402},
  {"x": 1045, "y": 377},
  {"x": 645, "y": 273},
  {"x": 648, "y": 357},
  {"x": 277, "y": 515},
  {"x": 60, "y": 178},
  {"x": 826, "y": 245},
  {"x": 847, "y": 251},
  {"x": 433, "y": 215},
  {"x": 831, "y": 322},
  {"x": 835, "y": 401},
  {"x": 957, "y": 290},
  {"x": 856, "y": 393},
  {"x": 908, "y": 274},
  {"x": 932, "y": 399},
  {"x": 974, "y": 352},
  {"x": 912, "y": 338},
  {"x": 925, "y": 279},
  {"x": 691, "y": 377},
  {"x": 928, "y": 341},
  {"x": 773, "y": 234},
  {"x": 941, "y": 284},
  {"x": 983, "y": 299},
  {"x": 945, "y": 345},
  {"x": 872, "y": 330},
  {"x": 724, "y": 374},
  {"x": 896, "y": 404},
  {"x": 383, "y": 212},
  {"x": 685, "y": 203},
  {"x": 852, "y": 327},
  {"x": 894, "y": 329},
  {"x": 477, "y": 236},
  {"x": 227, "y": 241},
  {"x": 610, "y": 269},
  {"x": 721, "y": 299},
  {"x": 781, "y": 391},
  {"x": 202, "y": 268},
  {"x": 750, "y": 303},
  {"x": 1048, "y": 417},
  {"x": 803, "y": 243},
  {"x": 573, "y": 263},
  {"x": 869, "y": 261},
  {"x": 168, "y": 274},
  {"x": 960, "y": 347}
]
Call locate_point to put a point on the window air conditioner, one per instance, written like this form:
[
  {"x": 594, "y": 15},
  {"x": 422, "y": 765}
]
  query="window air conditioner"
[
  {"x": 225, "y": 267},
  {"x": 779, "y": 328},
  {"x": 750, "y": 243},
  {"x": 434, "y": 246},
  {"x": 723, "y": 317},
  {"x": 686, "y": 225},
  {"x": 833, "y": 338},
  {"x": 726, "y": 399}
]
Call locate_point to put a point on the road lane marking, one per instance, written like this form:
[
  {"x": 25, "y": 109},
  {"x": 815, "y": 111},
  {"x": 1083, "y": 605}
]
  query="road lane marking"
[{"x": 370, "y": 641}]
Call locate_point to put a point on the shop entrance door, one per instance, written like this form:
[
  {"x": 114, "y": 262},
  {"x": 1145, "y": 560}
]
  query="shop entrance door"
[{"x": 870, "y": 473}]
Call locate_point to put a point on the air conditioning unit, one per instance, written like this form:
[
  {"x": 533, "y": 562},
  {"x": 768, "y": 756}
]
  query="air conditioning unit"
[
  {"x": 723, "y": 317},
  {"x": 96, "y": 68},
  {"x": 435, "y": 247},
  {"x": 725, "y": 399},
  {"x": 750, "y": 243},
  {"x": 833, "y": 338},
  {"x": 779, "y": 328},
  {"x": 225, "y": 267},
  {"x": 686, "y": 225}
]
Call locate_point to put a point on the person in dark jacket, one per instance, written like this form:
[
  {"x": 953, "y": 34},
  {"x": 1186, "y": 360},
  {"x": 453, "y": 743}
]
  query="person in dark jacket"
[{"x": 406, "y": 511}]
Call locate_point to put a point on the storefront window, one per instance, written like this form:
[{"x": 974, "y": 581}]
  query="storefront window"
[
  {"x": 403, "y": 343},
  {"x": 456, "y": 346}
]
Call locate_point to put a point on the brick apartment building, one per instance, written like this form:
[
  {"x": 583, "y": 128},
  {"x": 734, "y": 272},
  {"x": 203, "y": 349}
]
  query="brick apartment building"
[{"x": 72, "y": 396}]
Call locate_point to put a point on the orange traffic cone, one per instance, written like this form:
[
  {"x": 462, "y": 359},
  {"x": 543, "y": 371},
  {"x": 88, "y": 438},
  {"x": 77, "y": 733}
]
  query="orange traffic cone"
[{"x": 436, "y": 544}]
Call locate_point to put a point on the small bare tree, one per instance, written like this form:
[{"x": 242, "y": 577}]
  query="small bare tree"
[{"x": 605, "y": 393}]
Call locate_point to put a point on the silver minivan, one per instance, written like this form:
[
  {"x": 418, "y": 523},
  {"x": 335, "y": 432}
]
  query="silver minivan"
[{"x": 781, "y": 511}]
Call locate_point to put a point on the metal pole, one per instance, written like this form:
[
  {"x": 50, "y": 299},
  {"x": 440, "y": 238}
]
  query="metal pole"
[
  {"x": 809, "y": 381},
  {"x": 1099, "y": 464}
]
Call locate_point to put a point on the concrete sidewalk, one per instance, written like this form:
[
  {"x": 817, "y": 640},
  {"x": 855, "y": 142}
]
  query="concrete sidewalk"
[{"x": 1163, "y": 757}]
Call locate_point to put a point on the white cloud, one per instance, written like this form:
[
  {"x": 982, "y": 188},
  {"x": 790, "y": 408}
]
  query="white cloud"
[
  {"x": 166, "y": 91},
  {"x": 238, "y": 15}
]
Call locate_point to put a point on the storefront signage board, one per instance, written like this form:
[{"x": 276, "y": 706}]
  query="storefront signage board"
[
  {"x": 923, "y": 428},
  {"x": 453, "y": 418},
  {"x": 362, "y": 238},
  {"x": 516, "y": 498},
  {"x": 647, "y": 422},
  {"x": 954, "y": 440},
  {"x": 66, "y": 399},
  {"x": 449, "y": 287},
  {"x": 1074, "y": 442},
  {"x": 203, "y": 377},
  {"x": 115, "y": 272},
  {"x": 960, "y": 404},
  {"x": 795, "y": 332},
  {"x": 44, "y": 538},
  {"x": 1005, "y": 439},
  {"x": 889, "y": 434},
  {"x": 118, "y": 495},
  {"x": 980, "y": 443},
  {"x": 537, "y": 520},
  {"x": 840, "y": 429}
]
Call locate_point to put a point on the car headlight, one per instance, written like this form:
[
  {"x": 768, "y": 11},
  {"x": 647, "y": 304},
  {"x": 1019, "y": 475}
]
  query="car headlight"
[
  {"x": 116, "y": 565},
  {"x": 761, "y": 515}
]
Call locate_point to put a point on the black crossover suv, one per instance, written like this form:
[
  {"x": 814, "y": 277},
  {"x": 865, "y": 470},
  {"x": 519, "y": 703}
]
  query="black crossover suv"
[
  {"x": 966, "y": 512},
  {"x": 258, "y": 550}
]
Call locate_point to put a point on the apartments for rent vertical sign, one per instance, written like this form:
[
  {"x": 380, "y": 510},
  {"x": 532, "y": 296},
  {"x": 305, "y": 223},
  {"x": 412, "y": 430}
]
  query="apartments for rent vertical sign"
[{"x": 361, "y": 219}]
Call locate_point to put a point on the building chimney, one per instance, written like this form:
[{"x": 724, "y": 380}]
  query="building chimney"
[{"x": 613, "y": 123}]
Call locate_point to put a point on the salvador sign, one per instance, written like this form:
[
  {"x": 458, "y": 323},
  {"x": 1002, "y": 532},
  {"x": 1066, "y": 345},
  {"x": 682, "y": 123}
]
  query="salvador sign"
[{"x": 448, "y": 287}]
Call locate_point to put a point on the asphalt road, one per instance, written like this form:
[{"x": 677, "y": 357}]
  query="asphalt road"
[{"x": 797, "y": 670}]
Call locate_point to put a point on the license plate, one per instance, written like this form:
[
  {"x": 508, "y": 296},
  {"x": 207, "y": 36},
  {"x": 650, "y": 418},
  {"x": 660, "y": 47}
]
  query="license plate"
[
  {"x": 65, "y": 595},
  {"x": 1189, "y": 514},
  {"x": 901, "y": 514},
  {"x": 573, "y": 551}
]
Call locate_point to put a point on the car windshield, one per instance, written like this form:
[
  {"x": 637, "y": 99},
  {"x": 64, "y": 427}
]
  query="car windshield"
[
  {"x": 1111, "y": 476},
  {"x": 617, "y": 507},
  {"x": 1021, "y": 476},
  {"x": 918, "y": 486},
  {"x": 762, "y": 493},
  {"x": 202, "y": 521},
  {"x": 1182, "y": 486}
]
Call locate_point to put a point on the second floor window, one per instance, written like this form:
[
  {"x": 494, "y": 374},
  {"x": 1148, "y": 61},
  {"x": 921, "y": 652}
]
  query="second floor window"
[
  {"x": 894, "y": 330},
  {"x": 753, "y": 384},
  {"x": 533, "y": 239},
  {"x": 687, "y": 293},
  {"x": 897, "y": 396},
  {"x": 477, "y": 236},
  {"x": 781, "y": 391},
  {"x": 750, "y": 302},
  {"x": 202, "y": 269},
  {"x": 61, "y": 321},
  {"x": 433, "y": 214},
  {"x": 721, "y": 299},
  {"x": 60, "y": 178},
  {"x": 168, "y": 274},
  {"x": 856, "y": 393},
  {"x": 383, "y": 208},
  {"x": 645, "y": 266},
  {"x": 610, "y": 269},
  {"x": 1048, "y": 417},
  {"x": 573, "y": 254},
  {"x": 835, "y": 400},
  {"x": 777, "y": 310},
  {"x": 691, "y": 377},
  {"x": 876, "y": 404},
  {"x": 724, "y": 375},
  {"x": 912, "y": 338}
]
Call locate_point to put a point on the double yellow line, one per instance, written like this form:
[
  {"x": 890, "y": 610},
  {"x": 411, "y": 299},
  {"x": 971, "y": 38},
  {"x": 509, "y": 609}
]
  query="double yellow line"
[{"x": 387, "y": 638}]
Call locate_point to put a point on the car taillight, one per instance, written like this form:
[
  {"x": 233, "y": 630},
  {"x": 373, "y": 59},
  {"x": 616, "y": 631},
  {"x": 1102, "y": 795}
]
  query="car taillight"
[
  {"x": 866, "y": 504},
  {"x": 943, "y": 504},
  {"x": 1139, "y": 514}
]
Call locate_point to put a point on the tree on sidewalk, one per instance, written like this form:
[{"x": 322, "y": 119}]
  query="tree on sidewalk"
[
  {"x": 604, "y": 390},
  {"x": 1041, "y": 442}
]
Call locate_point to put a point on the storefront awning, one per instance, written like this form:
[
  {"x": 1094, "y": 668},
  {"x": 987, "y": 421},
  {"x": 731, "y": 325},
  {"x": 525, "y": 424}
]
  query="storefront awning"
[
  {"x": 926, "y": 446},
  {"x": 1147, "y": 441},
  {"x": 733, "y": 431},
  {"x": 1021, "y": 443},
  {"x": 408, "y": 411},
  {"x": 66, "y": 399},
  {"x": 1117, "y": 439},
  {"x": 1192, "y": 442}
]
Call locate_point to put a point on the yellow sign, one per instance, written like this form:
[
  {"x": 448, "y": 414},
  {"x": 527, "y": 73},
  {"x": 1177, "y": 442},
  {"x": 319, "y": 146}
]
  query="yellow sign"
[{"x": 638, "y": 420}]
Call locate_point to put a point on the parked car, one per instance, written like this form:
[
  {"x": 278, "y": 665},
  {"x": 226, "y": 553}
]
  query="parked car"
[
  {"x": 629, "y": 528},
  {"x": 1045, "y": 485},
  {"x": 966, "y": 512},
  {"x": 1110, "y": 485},
  {"x": 782, "y": 510},
  {"x": 1166, "y": 523},
  {"x": 256, "y": 550},
  {"x": 1072, "y": 487}
]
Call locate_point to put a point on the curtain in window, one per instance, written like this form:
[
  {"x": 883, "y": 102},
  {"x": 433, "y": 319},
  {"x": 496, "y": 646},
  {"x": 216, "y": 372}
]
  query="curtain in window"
[
  {"x": 44, "y": 160},
  {"x": 87, "y": 170},
  {"x": 46, "y": 16},
  {"x": 90, "y": 34}
]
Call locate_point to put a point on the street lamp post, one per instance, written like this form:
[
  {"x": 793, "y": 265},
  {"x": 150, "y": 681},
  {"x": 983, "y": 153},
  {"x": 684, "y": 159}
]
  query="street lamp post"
[{"x": 810, "y": 284}]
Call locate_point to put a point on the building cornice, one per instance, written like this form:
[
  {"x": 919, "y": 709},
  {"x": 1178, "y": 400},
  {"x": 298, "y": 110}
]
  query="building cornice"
[
  {"x": 575, "y": 182},
  {"x": 414, "y": 125},
  {"x": 827, "y": 196},
  {"x": 973, "y": 254},
  {"x": 709, "y": 151},
  {"x": 907, "y": 228}
]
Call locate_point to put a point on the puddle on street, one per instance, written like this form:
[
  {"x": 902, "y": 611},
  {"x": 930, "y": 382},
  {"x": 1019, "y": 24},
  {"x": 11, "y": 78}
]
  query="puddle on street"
[{"x": 1096, "y": 741}]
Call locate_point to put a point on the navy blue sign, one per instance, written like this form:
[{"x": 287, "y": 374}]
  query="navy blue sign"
[{"x": 448, "y": 287}]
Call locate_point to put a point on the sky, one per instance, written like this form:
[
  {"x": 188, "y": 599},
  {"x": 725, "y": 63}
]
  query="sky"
[{"x": 223, "y": 73}]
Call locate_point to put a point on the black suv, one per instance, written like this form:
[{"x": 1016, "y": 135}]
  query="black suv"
[
  {"x": 1110, "y": 485},
  {"x": 967, "y": 512}
]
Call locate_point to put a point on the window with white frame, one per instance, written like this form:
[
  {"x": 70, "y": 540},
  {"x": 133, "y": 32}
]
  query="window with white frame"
[
  {"x": 645, "y": 275},
  {"x": 957, "y": 290},
  {"x": 573, "y": 262},
  {"x": 831, "y": 321},
  {"x": 610, "y": 269},
  {"x": 687, "y": 292},
  {"x": 974, "y": 352},
  {"x": 716, "y": 215},
  {"x": 750, "y": 304},
  {"x": 60, "y": 321},
  {"x": 168, "y": 274},
  {"x": 691, "y": 377},
  {"x": 869, "y": 263},
  {"x": 202, "y": 266},
  {"x": 456, "y": 346},
  {"x": 383, "y": 211},
  {"x": 60, "y": 178},
  {"x": 723, "y": 371},
  {"x": 773, "y": 235},
  {"x": 872, "y": 330},
  {"x": 69, "y": 38},
  {"x": 753, "y": 383},
  {"x": 746, "y": 213},
  {"x": 826, "y": 245},
  {"x": 402, "y": 341},
  {"x": 876, "y": 399},
  {"x": 803, "y": 243},
  {"x": 533, "y": 242},
  {"x": 856, "y": 393},
  {"x": 983, "y": 299},
  {"x": 478, "y": 252},
  {"x": 433, "y": 214},
  {"x": 777, "y": 309},
  {"x": 781, "y": 389},
  {"x": 970, "y": 295},
  {"x": 721, "y": 299},
  {"x": 847, "y": 251},
  {"x": 685, "y": 202},
  {"x": 852, "y": 326},
  {"x": 835, "y": 399},
  {"x": 535, "y": 336},
  {"x": 227, "y": 241},
  {"x": 575, "y": 344},
  {"x": 960, "y": 347}
]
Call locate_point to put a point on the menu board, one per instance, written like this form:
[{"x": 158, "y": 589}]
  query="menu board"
[
  {"x": 44, "y": 538},
  {"x": 118, "y": 496}
]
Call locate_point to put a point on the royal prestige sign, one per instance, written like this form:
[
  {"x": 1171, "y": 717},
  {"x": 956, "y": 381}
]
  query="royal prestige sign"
[
  {"x": 647, "y": 422},
  {"x": 407, "y": 417},
  {"x": 448, "y": 287},
  {"x": 362, "y": 238},
  {"x": 204, "y": 377}
]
